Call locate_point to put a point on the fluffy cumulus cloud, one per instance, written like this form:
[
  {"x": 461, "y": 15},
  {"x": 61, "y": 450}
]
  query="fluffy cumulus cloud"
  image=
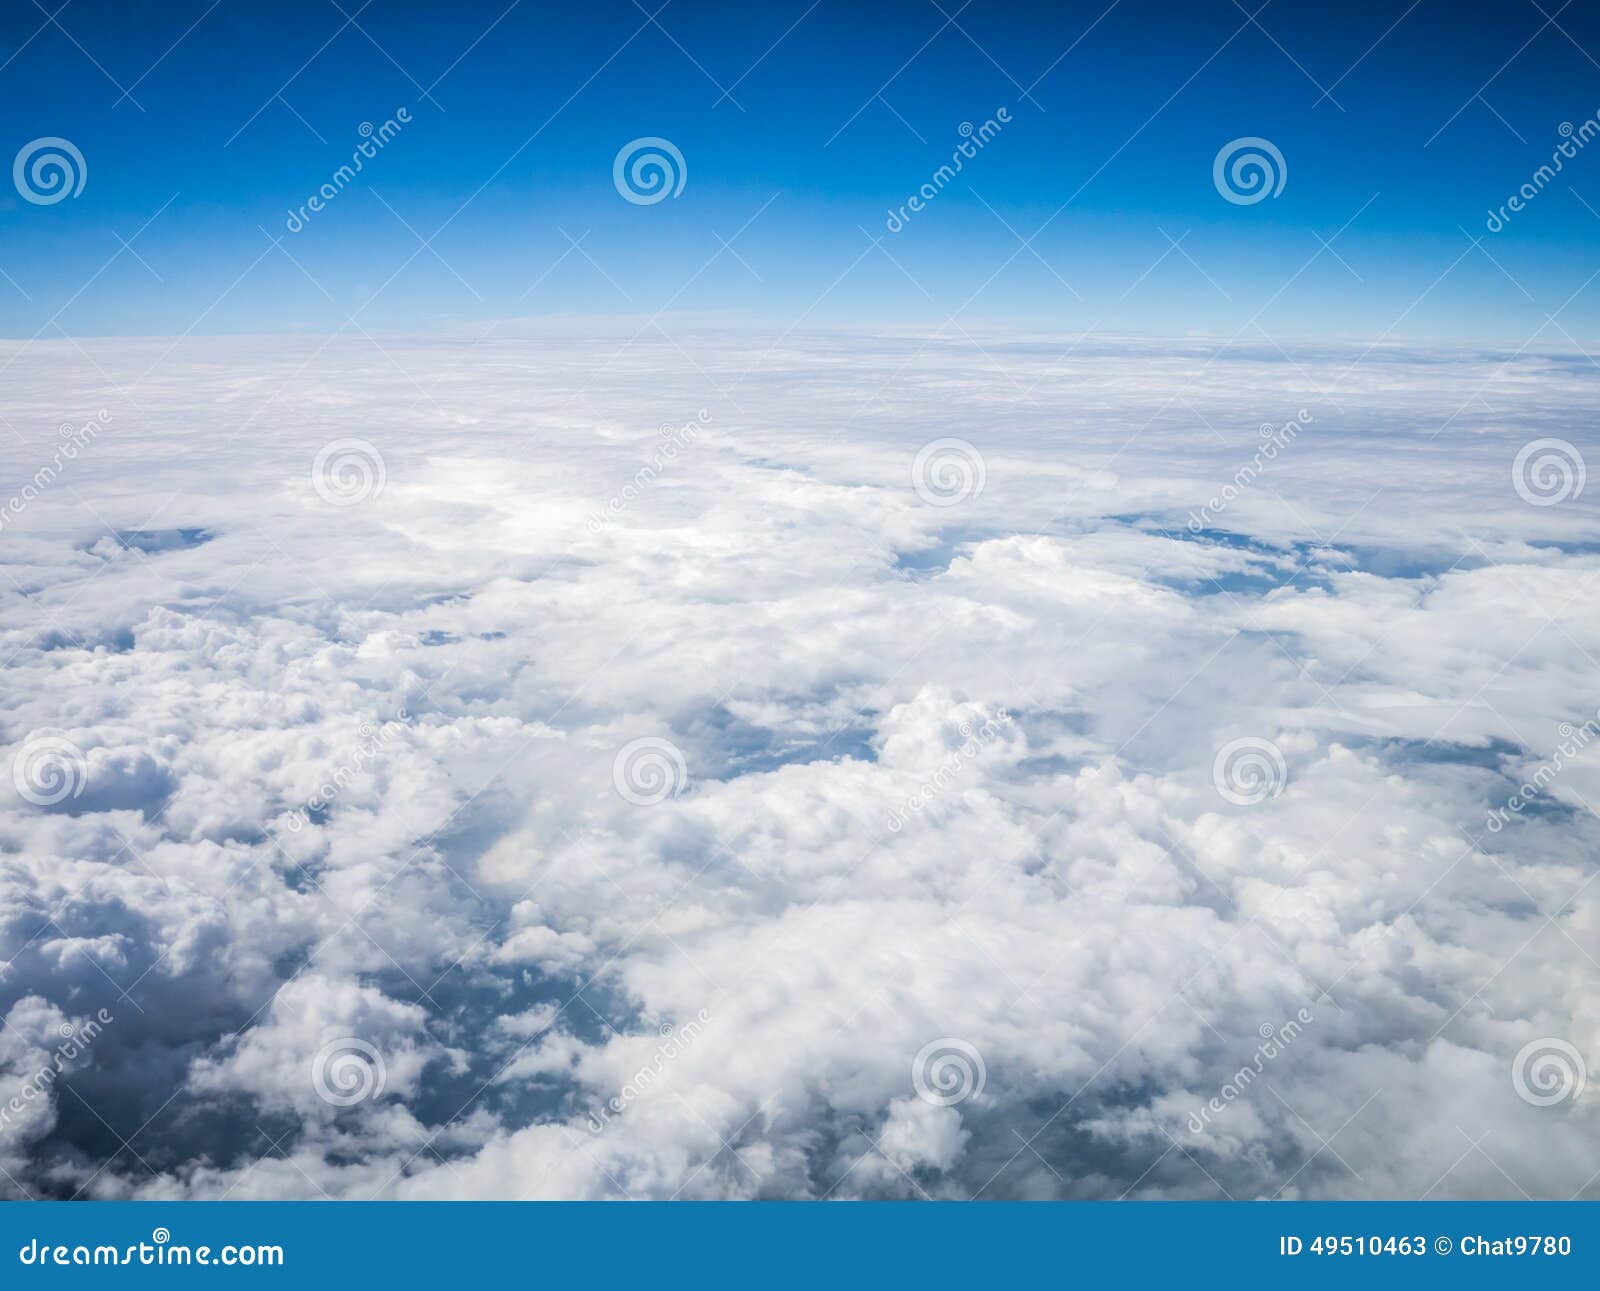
[{"x": 842, "y": 767}]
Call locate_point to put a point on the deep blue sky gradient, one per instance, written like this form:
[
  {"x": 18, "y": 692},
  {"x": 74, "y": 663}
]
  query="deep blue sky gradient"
[{"x": 513, "y": 139}]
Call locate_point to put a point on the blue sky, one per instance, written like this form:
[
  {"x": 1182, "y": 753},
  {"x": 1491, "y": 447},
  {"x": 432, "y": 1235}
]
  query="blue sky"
[
  {"x": 202, "y": 125},
  {"x": 409, "y": 738}
]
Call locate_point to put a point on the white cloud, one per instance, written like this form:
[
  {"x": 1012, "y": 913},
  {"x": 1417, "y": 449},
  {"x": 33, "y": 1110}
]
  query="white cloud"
[{"x": 346, "y": 773}]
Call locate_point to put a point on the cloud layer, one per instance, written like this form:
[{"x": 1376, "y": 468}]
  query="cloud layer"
[{"x": 826, "y": 768}]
